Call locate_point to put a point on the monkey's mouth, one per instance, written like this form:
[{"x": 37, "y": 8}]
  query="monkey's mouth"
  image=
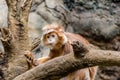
[{"x": 50, "y": 44}]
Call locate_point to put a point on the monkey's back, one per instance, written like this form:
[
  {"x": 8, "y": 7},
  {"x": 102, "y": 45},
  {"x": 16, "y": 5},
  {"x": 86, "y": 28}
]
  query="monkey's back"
[
  {"x": 82, "y": 74},
  {"x": 75, "y": 37}
]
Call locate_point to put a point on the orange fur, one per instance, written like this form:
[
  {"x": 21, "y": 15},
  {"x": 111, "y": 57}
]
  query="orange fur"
[
  {"x": 63, "y": 48},
  {"x": 52, "y": 26}
]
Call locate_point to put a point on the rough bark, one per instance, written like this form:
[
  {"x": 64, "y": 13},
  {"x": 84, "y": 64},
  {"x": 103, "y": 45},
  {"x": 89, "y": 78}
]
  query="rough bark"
[
  {"x": 81, "y": 58},
  {"x": 35, "y": 43},
  {"x": 15, "y": 38}
]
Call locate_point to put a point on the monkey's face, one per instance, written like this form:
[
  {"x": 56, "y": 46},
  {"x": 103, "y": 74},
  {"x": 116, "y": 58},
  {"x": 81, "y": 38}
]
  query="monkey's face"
[{"x": 51, "y": 39}]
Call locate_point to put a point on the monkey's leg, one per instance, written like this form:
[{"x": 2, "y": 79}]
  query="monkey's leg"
[{"x": 93, "y": 72}]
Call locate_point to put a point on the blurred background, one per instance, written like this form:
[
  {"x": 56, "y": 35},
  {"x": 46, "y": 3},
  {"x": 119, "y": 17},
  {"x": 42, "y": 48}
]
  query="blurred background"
[{"x": 96, "y": 20}]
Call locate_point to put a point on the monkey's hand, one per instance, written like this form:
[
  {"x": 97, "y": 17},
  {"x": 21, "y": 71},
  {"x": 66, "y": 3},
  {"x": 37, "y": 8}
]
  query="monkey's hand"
[
  {"x": 29, "y": 56},
  {"x": 30, "y": 59}
]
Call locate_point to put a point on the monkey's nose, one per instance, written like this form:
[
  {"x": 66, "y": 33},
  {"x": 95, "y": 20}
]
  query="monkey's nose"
[{"x": 50, "y": 44}]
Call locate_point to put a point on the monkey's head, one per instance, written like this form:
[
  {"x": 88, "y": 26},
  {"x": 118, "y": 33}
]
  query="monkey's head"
[
  {"x": 53, "y": 36},
  {"x": 53, "y": 27}
]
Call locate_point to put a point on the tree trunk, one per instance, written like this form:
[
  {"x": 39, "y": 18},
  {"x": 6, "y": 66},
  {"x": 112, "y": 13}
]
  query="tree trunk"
[{"x": 15, "y": 39}]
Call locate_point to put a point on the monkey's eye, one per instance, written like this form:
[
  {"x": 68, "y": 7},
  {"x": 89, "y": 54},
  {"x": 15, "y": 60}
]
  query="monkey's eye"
[
  {"x": 53, "y": 35},
  {"x": 48, "y": 36}
]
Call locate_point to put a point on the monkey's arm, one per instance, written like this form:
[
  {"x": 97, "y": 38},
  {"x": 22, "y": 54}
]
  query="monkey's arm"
[
  {"x": 32, "y": 62},
  {"x": 43, "y": 59}
]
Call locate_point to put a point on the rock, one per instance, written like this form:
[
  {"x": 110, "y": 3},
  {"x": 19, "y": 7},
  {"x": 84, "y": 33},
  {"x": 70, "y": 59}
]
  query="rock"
[
  {"x": 36, "y": 21},
  {"x": 97, "y": 28},
  {"x": 3, "y": 18},
  {"x": 53, "y": 3},
  {"x": 70, "y": 29},
  {"x": 48, "y": 10},
  {"x": 3, "y": 13},
  {"x": 35, "y": 24}
]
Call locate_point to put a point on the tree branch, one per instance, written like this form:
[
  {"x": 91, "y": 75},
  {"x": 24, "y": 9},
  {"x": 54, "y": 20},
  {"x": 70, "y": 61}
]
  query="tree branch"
[
  {"x": 15, "y": 40},
  {"x": 83, "y": 56},
  {"x": 35, "y": 43}
]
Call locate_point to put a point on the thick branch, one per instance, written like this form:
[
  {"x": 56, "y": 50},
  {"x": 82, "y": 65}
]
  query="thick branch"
[
  {"x": 12, "y": 9},
  {"x": 61, "y": 66},
  {"x": 17, "y": 41},
  {"x": 23, "y": 13},
  {"x": 18, "y": 12}
]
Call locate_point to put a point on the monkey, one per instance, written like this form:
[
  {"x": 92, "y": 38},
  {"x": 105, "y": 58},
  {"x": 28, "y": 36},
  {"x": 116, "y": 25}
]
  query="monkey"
[{"x": 59, "y": 42}]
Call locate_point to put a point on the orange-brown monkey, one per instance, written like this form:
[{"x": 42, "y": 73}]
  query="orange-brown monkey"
[{"x": 59, "y": 41}]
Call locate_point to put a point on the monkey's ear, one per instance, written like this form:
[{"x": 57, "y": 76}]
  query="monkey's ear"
[
  {"x": 63, "y": 38},
  {"x": 41, "y": 40}
]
